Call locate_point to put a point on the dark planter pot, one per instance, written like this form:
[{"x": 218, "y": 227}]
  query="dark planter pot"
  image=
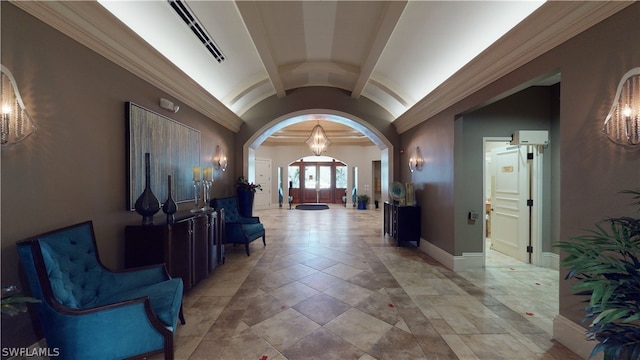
[
  {"x": 245, "y": 202},
  {"x": 362, "y": 205}
]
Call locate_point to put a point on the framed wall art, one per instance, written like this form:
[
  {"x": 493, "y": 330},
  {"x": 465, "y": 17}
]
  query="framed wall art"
[{"x": 174, "y": 150}]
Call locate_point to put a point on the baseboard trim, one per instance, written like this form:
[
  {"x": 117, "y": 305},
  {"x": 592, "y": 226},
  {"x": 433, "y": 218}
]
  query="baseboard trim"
[
  {"x": 572, "y": 335},
  {"x": 438, "y": 254},
  {"x": 455, "y": 263},
  {"x": 550, "y": 260}
]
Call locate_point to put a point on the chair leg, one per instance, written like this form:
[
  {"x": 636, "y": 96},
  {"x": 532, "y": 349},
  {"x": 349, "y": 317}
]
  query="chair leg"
[
  {"x": 168, "y": 348},
  {"x": 181, "y": 316},
  {"x": 263, "y": 241},
  {"x": 246, "y": 246}
]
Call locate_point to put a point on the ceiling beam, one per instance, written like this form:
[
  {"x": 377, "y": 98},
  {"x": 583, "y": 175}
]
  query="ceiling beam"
[
  {"x": 386, "y": 23},
  {"x": 252, "y": 19}
]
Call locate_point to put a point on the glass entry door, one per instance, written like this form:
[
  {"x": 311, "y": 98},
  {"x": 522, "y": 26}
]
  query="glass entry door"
[
  {"x": 317, "y": 184},
  {"x": 318, "y": 181}
]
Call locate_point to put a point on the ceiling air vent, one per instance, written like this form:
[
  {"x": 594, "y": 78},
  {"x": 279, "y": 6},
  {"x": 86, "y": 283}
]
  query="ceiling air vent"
[{"x": 192, "y": 22}]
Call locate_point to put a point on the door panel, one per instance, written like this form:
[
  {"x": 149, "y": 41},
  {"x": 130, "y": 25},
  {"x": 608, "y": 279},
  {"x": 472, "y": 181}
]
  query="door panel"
[
  {"x": 325, "y": 192},
  {"x": 262, "y": 199},
  {"x": 510, "y": 214}
]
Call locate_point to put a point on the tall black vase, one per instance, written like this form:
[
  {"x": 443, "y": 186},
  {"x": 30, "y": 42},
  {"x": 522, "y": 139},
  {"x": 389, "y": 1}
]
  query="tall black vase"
[
  {"x": 169, "y": 207},
  {"x": 147, "y": 204},
  {"x": 245, "y": 201}
]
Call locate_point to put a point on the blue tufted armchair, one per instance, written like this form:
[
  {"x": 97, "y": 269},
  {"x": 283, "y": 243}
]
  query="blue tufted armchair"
[
  {"x": 238, "y": 229},
  {"x": 90, "y": 312}
]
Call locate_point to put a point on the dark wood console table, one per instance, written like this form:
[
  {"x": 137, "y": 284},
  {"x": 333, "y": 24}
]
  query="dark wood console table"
[
  {"x": 191, "y": 247},
  {"x": 402, "y": 223}
]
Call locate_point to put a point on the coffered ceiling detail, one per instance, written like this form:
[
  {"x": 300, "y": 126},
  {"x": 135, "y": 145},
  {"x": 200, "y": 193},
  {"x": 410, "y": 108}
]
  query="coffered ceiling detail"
[{"x": 412, "y": 58}]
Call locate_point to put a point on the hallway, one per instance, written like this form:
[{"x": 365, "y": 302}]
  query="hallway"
[{"x": 329, "y": 285}]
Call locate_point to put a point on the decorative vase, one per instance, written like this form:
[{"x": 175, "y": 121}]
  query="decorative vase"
[
  {"x": 147, "y": 204},
  {"x": 245, "y": 201},
  {"x": 169, "y": 207}
]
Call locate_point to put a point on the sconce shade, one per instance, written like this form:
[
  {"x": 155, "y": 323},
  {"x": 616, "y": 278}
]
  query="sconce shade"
[
  {"x": 416, "y": 161},
  {"x": 15, "y": 124},
  {"x": 622, "y": 124},
  {"x": 318, "y": 141},
  {"x": 220, "y": 159}
]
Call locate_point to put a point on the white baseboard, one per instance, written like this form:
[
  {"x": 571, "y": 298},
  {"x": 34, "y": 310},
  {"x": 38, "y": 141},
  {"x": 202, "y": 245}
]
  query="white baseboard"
[
  {"x": 451, "y": 262},
  {"x": 438, "y": 254},
  {"x": 550, "y": 260},
  {"x": 572, "y": 335},
  {"x": 468, "y": 261},
  {"x": 455, "y": 263}
]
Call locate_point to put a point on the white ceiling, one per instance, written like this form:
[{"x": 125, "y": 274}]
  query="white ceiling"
[
  {"x": 413, "y": 58},
  {"x": 393, "y": 53}
]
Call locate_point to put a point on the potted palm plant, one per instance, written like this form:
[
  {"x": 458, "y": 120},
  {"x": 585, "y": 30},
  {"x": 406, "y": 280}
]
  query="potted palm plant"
[
  {"x": 14, "y": 302},
  {"x": 606, "y": 264}
]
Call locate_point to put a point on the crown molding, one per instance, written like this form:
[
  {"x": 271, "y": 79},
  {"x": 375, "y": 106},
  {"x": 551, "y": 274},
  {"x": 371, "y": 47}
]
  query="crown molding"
[
  {"x": 94, "y": 27},
  {"x": 549, "y": 26}
]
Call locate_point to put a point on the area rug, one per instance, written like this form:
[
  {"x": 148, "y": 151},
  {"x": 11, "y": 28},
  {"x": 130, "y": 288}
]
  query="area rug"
[{"x": 312, "y": 207}]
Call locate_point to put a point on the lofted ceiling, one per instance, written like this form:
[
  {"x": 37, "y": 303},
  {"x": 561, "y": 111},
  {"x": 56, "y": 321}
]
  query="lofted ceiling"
[
  {"x": 391, "y": 52},
  {"x": 399, "y": 54}
]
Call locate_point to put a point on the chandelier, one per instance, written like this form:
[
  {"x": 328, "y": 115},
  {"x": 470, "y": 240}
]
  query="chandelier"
[{"x": 318, "y": 141}]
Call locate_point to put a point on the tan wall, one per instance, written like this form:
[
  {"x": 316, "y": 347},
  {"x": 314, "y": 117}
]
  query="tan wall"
[{"x": 74, "y": 167}]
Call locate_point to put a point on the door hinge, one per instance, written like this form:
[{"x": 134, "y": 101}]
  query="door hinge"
[
  {"x": 529, "y": 156},
  {"x": 529, "y": 202},
  {"x": 530, "y": 249}
]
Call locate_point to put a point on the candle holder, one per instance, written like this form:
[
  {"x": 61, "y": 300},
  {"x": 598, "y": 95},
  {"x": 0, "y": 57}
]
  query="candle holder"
[
  {"x": 196, "y": 190},
  {"x": 207, "y": 186}
]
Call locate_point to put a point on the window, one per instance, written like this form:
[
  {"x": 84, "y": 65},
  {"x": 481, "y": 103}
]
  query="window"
[
  {"x": 294, "y": 176},
  {"x": 341, "y": 177}
]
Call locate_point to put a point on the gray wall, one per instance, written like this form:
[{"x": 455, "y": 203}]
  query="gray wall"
[{"x": 73, "y": 168}]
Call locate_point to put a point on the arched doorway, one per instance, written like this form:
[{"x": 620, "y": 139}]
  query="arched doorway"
[
  {"x": 377, "y": 138},
  {"x": 318, "y": 179}
]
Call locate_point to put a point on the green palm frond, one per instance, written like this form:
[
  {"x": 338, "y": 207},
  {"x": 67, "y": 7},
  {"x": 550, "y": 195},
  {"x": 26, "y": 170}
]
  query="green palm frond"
[{"x": 606, "y": 263}]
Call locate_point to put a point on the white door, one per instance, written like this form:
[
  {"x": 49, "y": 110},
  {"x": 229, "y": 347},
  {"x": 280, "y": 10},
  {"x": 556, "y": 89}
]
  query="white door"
[
  {"x": 510, "y": 213},
  {"x": 262, "y": 199}
]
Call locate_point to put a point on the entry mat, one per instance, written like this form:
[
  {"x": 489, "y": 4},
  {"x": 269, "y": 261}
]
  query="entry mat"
[{"x": 312, "y": 207}]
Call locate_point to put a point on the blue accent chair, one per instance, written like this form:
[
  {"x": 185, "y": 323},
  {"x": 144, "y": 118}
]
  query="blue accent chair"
[
  {"x": 238, "y": 229},
  {"x": 90, "y": 312}
]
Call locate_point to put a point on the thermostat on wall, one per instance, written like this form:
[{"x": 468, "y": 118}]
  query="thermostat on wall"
[{"x": 530, "y": 137}]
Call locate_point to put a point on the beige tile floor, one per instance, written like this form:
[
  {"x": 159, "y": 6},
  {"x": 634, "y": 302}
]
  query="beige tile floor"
[{"x": 330, "y": 285}]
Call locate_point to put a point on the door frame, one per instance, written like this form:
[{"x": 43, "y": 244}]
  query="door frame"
[{"x": 535, "y": 184}]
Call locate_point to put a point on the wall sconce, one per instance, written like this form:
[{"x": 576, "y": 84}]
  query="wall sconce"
[
  {"x": 169, "y": 105},
  {"x": 416, "y": 160},
  {"x": 622, "y": 124},
  {"x": 220, "y": 159},
  {"x": 15, "y": 123}
]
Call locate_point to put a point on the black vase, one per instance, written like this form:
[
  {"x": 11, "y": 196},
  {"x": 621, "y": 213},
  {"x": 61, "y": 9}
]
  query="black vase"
[
  {"x": 147, "y": 204},
  {"x": 169, "y": 207},
  {"x": 245, "y": 201}
]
